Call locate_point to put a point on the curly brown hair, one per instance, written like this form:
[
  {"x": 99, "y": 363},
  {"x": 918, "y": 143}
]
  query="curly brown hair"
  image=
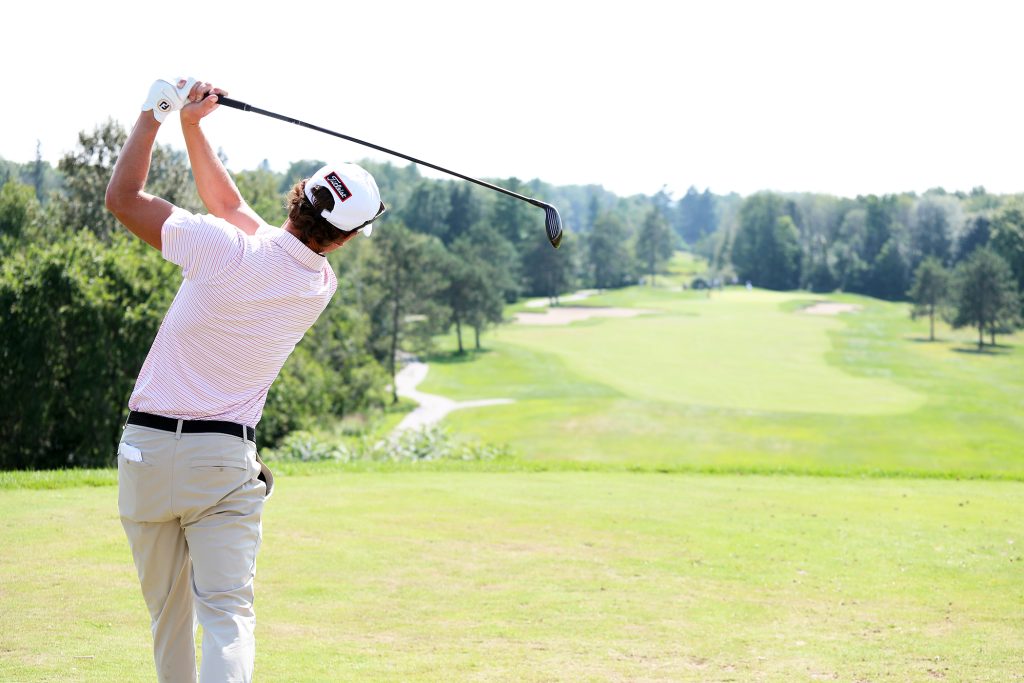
[{"x": 315, "y": 232}]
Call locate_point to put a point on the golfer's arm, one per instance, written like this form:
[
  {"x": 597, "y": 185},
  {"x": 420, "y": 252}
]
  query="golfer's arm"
[
  {"x": 126, "y": 198},
  {"x": 216, "y": 188}
]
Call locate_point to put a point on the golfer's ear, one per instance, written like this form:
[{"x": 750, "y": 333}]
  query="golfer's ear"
[{"x": 143, "y": 214}]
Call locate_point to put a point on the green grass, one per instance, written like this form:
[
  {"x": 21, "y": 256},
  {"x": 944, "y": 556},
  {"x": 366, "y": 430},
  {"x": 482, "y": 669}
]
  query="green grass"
[
  {"x": 560, "y": 576},
  {"x": 578, "y": 560},
  {"x": 680, "y": 271},
  {"x": 741, "y": 380}
]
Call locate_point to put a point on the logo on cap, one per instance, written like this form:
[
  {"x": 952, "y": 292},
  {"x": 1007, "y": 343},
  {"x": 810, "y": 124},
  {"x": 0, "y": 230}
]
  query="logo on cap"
[{"x": 339, "y": 187}]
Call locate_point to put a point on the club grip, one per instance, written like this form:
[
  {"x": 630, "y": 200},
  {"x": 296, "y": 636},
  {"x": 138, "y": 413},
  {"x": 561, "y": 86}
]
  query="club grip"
[{"x": 234, "y": 104}]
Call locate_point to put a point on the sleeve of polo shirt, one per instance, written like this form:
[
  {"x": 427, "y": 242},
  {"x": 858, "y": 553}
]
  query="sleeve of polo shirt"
[{"x": 201, "y": 245}]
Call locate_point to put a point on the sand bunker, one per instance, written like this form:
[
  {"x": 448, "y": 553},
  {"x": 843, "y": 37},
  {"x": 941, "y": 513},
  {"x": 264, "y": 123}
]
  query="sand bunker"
[
  {"x": 577, "y": 296},
  {"x": 830, "y": 308},
  {"x": 563, "y": 315}
]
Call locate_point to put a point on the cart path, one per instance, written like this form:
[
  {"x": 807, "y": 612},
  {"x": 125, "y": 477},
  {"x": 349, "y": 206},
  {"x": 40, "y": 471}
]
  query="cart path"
[{"x": 432, "y": 409}]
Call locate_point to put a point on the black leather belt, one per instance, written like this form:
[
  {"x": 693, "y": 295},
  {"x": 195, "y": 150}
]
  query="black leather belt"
[{"x": 170, "y": 424}]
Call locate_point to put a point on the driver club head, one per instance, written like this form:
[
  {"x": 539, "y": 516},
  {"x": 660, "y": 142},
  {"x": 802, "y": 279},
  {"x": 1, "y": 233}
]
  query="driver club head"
[{"x": 553, "y": 223}]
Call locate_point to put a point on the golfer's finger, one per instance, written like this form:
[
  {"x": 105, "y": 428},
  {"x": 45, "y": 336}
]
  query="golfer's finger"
[{"x": 195, "y": 93}]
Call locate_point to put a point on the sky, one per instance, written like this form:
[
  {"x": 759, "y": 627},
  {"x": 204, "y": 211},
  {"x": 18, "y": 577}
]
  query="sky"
[{"x": 840, "y": 98}]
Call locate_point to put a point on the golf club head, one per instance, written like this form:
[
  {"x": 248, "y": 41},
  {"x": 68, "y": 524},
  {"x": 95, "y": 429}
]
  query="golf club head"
[{"x": 553, "y": 224}]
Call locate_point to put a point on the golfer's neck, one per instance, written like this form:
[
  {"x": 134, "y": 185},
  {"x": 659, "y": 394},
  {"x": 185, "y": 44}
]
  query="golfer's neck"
[{"x": 291, "y": 230}]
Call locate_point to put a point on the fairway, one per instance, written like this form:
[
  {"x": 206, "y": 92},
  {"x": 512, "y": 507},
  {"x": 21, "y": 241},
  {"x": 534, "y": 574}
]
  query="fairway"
[
  {"x": 561, "y": 576},
  {"x": 744, "y": 380},
  {"x": 702, "y": 352}
]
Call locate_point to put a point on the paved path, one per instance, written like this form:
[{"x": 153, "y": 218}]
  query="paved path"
[{"x": 432, "y": 408}]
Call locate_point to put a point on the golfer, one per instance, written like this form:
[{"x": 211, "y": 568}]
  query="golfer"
[{"x": 191, "y": 486}]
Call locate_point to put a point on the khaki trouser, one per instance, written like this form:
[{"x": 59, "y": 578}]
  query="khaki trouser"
[{"x": 192, "y": 511}]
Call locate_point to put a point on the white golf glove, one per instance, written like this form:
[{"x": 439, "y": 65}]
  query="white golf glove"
[{"x": 166, "y": 97}]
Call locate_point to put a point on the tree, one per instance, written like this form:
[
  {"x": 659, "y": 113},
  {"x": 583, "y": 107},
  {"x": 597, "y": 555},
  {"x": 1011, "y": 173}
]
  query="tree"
[
  {"x": 928, "y": 292},
  {"x": 985, "y": 295},
  {"x": 467, "y": 293},
  {"x": 403, "y": 279},
  {"x": 485, "y": 298},
  {"x": 1007, "y": 237},
  {"x": 821, "y": 216},
  {"x": 887, "y": 278},
  {"x": 548, "y": 272},
  {"x": 87, "y": 171},
  {"x": 501, "y": 258},
  {"x": 77, "y": 318},
  {"x": 654, "y": 242},
  {"x": 464, "y": 210},
  {"x": 820, "y": 278},
  {"x": 428, "y": 209},
  {"x": 878, "y": 222},
  {"x": 260, "y": 189},
  {"x": 593, "y": 210},
  {"x": 696, "y": 215},
  {"x": 609, "y": 262},
  {"x": 931, "y": 228},
  {"x": 514, "y": 219},
  {"x": 19, "y": 209},
  {"x": 298, "y": 170},
  {"x": 766, "y": 249},
  {"x": 977, "y": 233},
  {"x": 38, "y": 172}
]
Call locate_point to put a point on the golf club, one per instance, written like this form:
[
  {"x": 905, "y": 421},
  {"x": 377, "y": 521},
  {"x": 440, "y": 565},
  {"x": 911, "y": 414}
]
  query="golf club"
[{"x": 552, "y": 221}]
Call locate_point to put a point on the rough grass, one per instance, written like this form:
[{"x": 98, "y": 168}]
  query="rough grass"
[{"x": 561, "y": 576}]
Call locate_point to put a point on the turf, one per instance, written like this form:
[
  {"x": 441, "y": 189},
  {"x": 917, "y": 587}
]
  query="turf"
[
  {"x": 743, "y": 380},
  {"x": 575, "y": 561},
  {"x": 560, "y": 576}
]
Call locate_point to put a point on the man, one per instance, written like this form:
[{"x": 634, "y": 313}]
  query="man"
[{"x": 191, "y": 487}]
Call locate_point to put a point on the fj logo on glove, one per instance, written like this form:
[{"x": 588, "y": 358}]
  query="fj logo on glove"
[
  {"x": 164, "y": 105},
  {"x": 338, "y": 185}
]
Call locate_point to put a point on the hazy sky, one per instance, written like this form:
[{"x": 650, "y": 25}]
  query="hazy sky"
[{"x": 843, "y": 98}]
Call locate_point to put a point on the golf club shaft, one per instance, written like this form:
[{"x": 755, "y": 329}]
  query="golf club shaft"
[{"x": 242, "y": 106}]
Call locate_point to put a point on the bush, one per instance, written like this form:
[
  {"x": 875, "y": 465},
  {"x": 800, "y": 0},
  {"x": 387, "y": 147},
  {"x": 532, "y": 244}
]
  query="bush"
[
  {"x": 428, "y": 444},
  {"x": 77, "y": 318},
  {"x": 330, "y": 374}
]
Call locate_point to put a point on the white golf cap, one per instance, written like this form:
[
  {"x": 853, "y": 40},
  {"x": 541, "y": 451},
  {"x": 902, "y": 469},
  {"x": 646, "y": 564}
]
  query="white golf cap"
[{"x": 356, "y": 197}]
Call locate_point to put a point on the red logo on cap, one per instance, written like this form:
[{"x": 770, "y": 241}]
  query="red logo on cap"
[{"x": 336, "y": 183}]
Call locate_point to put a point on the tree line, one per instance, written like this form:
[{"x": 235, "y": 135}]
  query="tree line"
[{"x": 81, "y": 300}]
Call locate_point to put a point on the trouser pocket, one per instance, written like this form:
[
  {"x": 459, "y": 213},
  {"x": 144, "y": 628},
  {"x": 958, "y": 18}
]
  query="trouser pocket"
[{"x": 143, "y": 457}]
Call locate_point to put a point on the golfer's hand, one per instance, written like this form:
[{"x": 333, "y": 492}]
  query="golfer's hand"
[{"x": 202, "y": 99}]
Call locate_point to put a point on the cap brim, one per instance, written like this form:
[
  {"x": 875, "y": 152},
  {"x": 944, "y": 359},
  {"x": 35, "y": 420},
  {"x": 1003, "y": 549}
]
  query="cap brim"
[{"x": 368, "y": 230}]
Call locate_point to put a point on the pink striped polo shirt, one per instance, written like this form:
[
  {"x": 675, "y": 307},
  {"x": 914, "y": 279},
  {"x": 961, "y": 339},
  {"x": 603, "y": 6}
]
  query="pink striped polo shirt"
[{"x": 244, "y": 303}]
